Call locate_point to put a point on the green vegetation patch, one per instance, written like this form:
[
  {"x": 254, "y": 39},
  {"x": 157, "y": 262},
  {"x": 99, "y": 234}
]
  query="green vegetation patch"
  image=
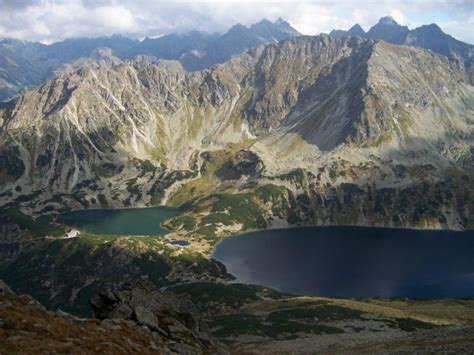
[
  {"x": 282, "y": 200},
  {"x": 187, "y": 223},
  {"x": 207, "y": 293},
  {"x": 11, "y": 165},
  {"x": 242, "y": 208},
  {"x": 325, "y": 313},
  {"x": 270, "y": 192},
  {"x": 223, "y": 218},
  {"x": 240, "y": 324},
  {"x": 200, "y": 264},
  {"x": 410, "y": 324},
  {"x": 296, "y": 176},
  {"x": 155, "y": 268},
  {"x": 39, "y": 228},
  {"x": 53, "y": 271}
]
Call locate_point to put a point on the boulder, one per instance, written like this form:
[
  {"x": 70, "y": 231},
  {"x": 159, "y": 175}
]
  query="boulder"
[{"x": 145, "y": 317}]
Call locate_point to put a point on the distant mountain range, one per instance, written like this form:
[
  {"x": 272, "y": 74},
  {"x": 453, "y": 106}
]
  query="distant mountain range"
[
  {"x": 26, "y": 64},
  {"x": 427, "y": 36}
]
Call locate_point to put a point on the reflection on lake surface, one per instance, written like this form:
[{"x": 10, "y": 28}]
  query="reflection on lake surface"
[
  {"x": 133, "y": 221},
  {"x": 354, "y": 261}
]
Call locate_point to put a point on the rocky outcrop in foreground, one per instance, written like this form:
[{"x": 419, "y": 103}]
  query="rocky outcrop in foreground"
[
  {"x": 249, "y": 319},
  {"x": 164, "y": 314},
  {"x": 25, "y": 325}
]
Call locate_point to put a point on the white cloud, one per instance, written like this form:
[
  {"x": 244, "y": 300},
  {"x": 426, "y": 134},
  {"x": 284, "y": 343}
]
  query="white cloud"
[{"x": 52, "y": 20}]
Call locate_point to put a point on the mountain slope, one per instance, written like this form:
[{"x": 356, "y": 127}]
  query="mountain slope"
[
  {"x": 137, "y": 132},
  {"x": 284, "y": 90}
]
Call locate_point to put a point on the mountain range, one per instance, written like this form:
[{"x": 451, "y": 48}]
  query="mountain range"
[
  {"x": 427, "y": 36},
  {"x": 255, "y": 129},
  {"x": 341, "y": 123},
  {"x": 26, "y": 64}
]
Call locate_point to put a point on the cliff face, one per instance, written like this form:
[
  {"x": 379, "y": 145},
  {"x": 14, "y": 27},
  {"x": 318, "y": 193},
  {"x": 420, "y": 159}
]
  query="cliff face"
[{"x": 112, "y": 133}]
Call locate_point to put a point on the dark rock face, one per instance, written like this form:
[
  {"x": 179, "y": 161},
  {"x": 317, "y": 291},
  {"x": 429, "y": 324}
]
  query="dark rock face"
[
  {"x": 11, "y": 165},
  {"x": 247, "y": 162},
  {"x": 173, "y": 317}
]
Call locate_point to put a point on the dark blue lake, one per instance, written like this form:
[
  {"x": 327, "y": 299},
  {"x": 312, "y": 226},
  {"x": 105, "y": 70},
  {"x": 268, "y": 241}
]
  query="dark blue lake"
[{"x": 354, "y": 262}]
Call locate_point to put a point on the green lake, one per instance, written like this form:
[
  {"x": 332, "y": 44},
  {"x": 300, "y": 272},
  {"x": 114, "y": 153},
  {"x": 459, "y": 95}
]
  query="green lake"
[{"x": 130, "y": 221}]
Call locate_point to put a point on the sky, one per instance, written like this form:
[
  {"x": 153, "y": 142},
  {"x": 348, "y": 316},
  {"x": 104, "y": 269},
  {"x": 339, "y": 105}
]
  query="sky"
[{"x": 49, "y": 21}]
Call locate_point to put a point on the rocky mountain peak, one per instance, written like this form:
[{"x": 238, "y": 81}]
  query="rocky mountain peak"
[
  {"x": 389, "y": 30},
  {"x": 281, "y": 22},
  {"x": 237, "y": 29},
  {"x": 388, "y": 21},
  {"x": 432, "y": 29},
  {"x": 274, "y": 31},
  {"x": 263, "y": 22},
  {"x": 285, "y": 26},
  {"x": 356, "y": 30}
]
